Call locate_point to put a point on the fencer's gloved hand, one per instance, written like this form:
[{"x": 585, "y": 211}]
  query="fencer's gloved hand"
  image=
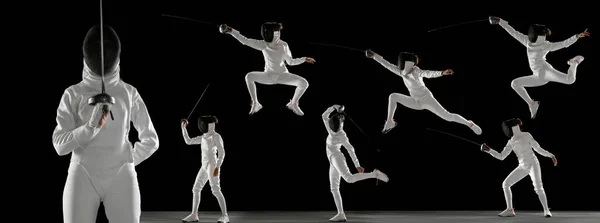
[
  {"x": 99, "y": 115},
  {"x": 184, "y": 122},
  {"x": 224, "y": 28},
  {"x": 485, "y": 148},
  {"x": 370, "y": 53},
  {"x": 494, "y": 20}
]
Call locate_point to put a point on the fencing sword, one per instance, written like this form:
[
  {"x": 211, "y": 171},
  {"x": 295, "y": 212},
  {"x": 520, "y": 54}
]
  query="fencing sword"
[
  {"x": 455, "y": 136},
  {"x": 193, "y": 20},
  {"x": 198, "y": 101},
  {"x": 334, "y": 45},
  {"x": 458, "y": 24},
  {"x": 102, "y": 97}
]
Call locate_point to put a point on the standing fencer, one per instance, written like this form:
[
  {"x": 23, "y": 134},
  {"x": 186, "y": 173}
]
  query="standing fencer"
[
  {"x": 537, "y": 49},
  {"x": 521, "y": 143},
  {"x": 276, "y": 53},
  {"x": 211, "y": 143},
  {"x": 333, "y": 119},
  {"x": 103, "y": 160},
  {"x": 420, "y": 96}
]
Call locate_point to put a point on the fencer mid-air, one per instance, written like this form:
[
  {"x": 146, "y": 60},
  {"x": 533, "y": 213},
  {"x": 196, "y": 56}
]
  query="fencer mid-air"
[
  {"x": 333, "y": 118},
  {"x": 521, "y": 143},
  {"x": 211, "y": 143},
  {"x": 276, "y": 53},
  {"x": 103, "y": 159},
  {"x": 420, "y": 96},
  {"x": 537, "y": 49}
]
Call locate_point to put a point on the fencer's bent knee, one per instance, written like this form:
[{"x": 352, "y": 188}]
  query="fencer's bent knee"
[
  {"x": 303, "y": 83},
  {"x": 393, "y": 97},
  {"x": 249, "y": 77},
  {"x": 506, "y": 184},
  {"x": 514, "y": 84}
]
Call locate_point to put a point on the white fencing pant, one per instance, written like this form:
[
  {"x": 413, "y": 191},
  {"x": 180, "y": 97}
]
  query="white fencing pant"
[
  {"x": 546, "y": 74},
  {"x": 206, "y": 174},
  {"x": 427, "y": 102},
  {"x": 116, "y": 188},
  {"x": 271, "y": 78},
  {"x": 518, "y": 174},
  {"x": 339, "y": 169}
]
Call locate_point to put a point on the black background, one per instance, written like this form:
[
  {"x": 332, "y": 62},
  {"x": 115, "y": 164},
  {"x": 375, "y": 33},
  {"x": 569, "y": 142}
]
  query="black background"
[{"x": 275, "y": 159}]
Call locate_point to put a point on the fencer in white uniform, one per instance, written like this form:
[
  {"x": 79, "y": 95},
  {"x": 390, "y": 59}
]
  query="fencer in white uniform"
[
  {"x": 420, "y": 96},
  {"x": 276, "y": 53},
  {"x": 211, "y": 143},
  {"x": 521, "y": 143},
  {"x": 333, "y": 118},
  {"x": 537, "y": 49},
  {"x": 103, "y": 160}
]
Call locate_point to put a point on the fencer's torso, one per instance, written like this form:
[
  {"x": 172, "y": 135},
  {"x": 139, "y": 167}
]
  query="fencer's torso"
[
  {"x": 274, "y": 55},
  {"x": 209, "y": 148},
  {"x": 536, "y": 55},
  {"x": 335, "y": 141},
  {"x": 521, "y": 146},
  {"x": 413, "y": 80}
]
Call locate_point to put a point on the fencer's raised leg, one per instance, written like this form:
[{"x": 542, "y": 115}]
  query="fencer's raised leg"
[
  {"x": 393, "y": 99},
  {"x": 80, "y": 199},
  {"x": 519, "y": 85},
  {"x": 536, "y": 178},
  {"x": 431, "y": 104},
  {"x": 301, "y": 86},
  {"x": 201, "y": 179},
  {"x": 122, "y": 202},
  {"x": 551, "y": 74},
  {"x": 515, "y": 176},
  {"x": 339, "y": 162},
  {"x": 215, "y": 187},
  {"x": 251, "y": 79},
  {"x": 334, "y": 183}
]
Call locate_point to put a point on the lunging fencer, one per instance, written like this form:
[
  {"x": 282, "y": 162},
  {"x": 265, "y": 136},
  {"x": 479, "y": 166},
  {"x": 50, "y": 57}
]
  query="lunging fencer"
[
  {"x": 276, "y": 53},
  {"x": 211, "y": 144},
  {"x": 103, "y": 160},
  {"x": 521, "y": 143},
  {"x": 420, "y": 96},
  {"x": 537, "y": 49},
  {"x": 333, "y": 118}
]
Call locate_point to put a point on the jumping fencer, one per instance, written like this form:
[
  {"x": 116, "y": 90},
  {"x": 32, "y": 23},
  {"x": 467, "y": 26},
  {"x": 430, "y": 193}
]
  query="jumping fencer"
[
  {"x": 333, "y": 118},
  {"x": 211, "y": 143},
  {"x": 521, "y": 143},
  {"x": 276, "y": 53},
  {"x": 103, "y": 161},
  {"x": 420, "y": 96},
  {"x": 537, "y": 49}
]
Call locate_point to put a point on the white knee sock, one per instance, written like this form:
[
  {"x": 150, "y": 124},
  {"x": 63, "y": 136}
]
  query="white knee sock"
[
  {"x": 337, "y": 198},
  {"x": 195, "y": 203},
  {"x": 221, "y": 200},
  {"x": 543, "y": 200},
  {"x": 508, "y": 197}
]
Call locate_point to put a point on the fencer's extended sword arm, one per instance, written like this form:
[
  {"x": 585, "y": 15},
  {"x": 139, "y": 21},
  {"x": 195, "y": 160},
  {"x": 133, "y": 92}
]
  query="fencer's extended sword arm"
[
  {"x": 220, "y": 150},
  {"x": 291, "y": 60},
  {"x": 351, "y": 152},
  {"x": 68, "y": 134},
  {"x": 427, "y": 73},
  {"x": 391, "y": 67},
  {"x": 186, "y": 137},
  {"x": 254, "y": 43},
  {"x": 501, "y": 156},
  {"x": 147, "y": 135},
  {"x": 536, "y": 147},
  {"x": 522, "y": 38},
  {"x": 562, "y": 44},
  {"x": 325, "y": 117}
]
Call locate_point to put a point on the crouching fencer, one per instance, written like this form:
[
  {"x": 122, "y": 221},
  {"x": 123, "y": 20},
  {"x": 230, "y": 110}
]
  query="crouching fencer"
[
  {"x": 276, "y": 53},
  {"x": 420, "y": 96},
  {"x": 537, "y": 49},
  {"x": 211, "y": 143},
  {"x": 333, "y": 119},
  {"x": 521, "y": 143},
  {"x": 103, "y": 161}
]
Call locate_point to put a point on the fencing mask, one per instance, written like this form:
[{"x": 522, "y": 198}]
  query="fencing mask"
[
  {"x": 204, "y": 121},
  {"x": 336, "y": 121},
  {"x": 508, "y": 124},
  {"x": 112, "y": 50},
  {"x": 537, "y": 33},
  {"x": 406, "y": 61},
  {"x": 271, "y": 31}
]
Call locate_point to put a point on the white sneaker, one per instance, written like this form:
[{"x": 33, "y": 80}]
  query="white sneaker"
[
  {"x": 223, "y": 219},
  {"x": 191, "y": 218},
  {"x": 575, "y": 60},
  {"x": 507, "y": 213},
  {"x": 381, "y": 176},
  {"x": 294, "y": 107},
  {"x": 475, "y": 128},
  {"x": 533, "y": 108},
  {"x": 547, "y": 214},
  {"x": 255, "y": 108},
  {"x": 340, "y": 217},
  {"x": 389, "y": 125}
]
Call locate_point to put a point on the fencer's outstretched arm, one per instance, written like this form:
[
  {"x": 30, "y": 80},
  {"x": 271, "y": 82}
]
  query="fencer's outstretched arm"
[
  {"x": 220, "y": 150},
  {"x": 393, "y": 68},
  {"x": 68, "y": 135},
  {"x": 254, "y": 43},
  {"x": 522, "y": 38},
  {"x": 325, "y": 117},
  {"x": 186, "y": 137},
  {"x": 536, "y": 147},
  {"x": 147, "y": 135},
  {"x": 501, "y": 156},
  {"x": 427, "y": 73},
  {"x": 562, "y": 44},
  {"x": 291, "y": 60},
  {"x": 351, "y": 151}
]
